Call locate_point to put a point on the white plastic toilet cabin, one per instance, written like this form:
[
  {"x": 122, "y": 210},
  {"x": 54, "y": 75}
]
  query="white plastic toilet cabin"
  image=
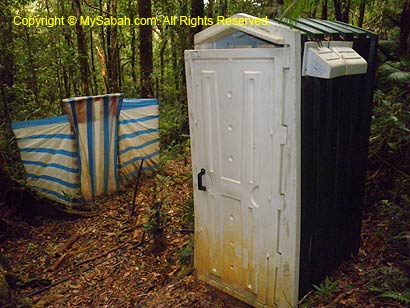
[
  {"x": 244, "y": 99},
  {"x": 245, "y": 151}
]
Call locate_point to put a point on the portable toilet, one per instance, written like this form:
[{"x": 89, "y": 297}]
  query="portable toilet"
[{"x": 279, "y": 118}]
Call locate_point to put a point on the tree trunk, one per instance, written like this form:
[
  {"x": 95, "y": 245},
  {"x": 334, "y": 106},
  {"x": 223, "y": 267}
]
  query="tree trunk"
[
  {"x": 223, "y": 7},
  {"x": 342, "y": 10},
  {"x": 338, "y": 9},
  {"x": 113, "y": 53},
  {"x": 184, "y": 43},
  {"x": 102, "y": 54},
  {"x": 133, "y": 58},
  {"x": 197, "y": 10},
  {"x": 361, "y": 13},
  {"x": 164, "y": 43},
  {"x": 346, "y": 11},
  {"x": 174, "y": 58},
  {"x": 324, "y": 10},
  {"x": 66, "y": 68},
  {"x": 210, "y": 9},
  {"x": 32, "y": 67},
  {"x": 6, "y": 64},
  {"x": 145, "y": 38},
  {"x": 133, "y": 46},
  {"x": 94, "y": 71},
  {"x": 404, "y": 25},
  {"x": 82, "y": 51}
]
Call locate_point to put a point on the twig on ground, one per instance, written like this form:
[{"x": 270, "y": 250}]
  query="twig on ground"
[{"x": 68, "y": 244}]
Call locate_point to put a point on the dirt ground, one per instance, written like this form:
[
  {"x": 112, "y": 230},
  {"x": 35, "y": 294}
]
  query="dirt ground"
[{"x": 115, "y": 259}]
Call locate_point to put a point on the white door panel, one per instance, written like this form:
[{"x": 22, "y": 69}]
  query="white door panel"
[{"x": 237, "y": 135}]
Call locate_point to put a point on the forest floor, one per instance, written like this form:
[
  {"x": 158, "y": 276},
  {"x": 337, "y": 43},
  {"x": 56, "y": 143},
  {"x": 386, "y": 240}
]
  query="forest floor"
[{"x": 115, "y": 259}]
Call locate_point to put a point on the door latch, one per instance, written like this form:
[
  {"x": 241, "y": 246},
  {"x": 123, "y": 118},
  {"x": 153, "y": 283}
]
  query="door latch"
[{"x": 200, "y": 174}]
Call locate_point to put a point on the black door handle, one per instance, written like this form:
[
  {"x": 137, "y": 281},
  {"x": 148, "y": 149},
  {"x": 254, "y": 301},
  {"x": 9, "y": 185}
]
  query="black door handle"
[{"x": 200, "y": 174}]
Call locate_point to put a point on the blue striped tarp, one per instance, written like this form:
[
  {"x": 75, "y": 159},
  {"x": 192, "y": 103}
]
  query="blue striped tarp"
[
  {"x": 138, "y": 137},
  {"x": 88, "y": 153},
  {"x": 95, "y": 122},
  {"x": 50, "y": 157}
]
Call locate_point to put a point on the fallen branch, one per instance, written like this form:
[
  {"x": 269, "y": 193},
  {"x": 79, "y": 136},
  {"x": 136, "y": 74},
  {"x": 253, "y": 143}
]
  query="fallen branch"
[
  {"x": 102, "y": 254},
  {"x": 59, "y": 261},
  {"x": 68, "y": 244}
]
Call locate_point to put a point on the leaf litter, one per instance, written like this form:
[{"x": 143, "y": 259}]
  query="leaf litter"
[{"x": 111, "y": 259}]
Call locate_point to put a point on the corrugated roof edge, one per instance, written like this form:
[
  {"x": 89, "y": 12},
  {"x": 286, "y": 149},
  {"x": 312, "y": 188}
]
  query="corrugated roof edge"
[
  {"x": 295, "y": 24},
  {"x": 306, "y": 26},
  {"x": 357, "y": 28}
]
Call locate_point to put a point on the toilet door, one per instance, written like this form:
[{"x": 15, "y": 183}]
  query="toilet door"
[{"x": 235, "y": 110}]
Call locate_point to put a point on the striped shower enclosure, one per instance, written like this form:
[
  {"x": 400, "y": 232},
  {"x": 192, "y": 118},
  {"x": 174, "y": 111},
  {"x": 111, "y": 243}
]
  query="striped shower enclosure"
[{"x": 91, "y": 151}]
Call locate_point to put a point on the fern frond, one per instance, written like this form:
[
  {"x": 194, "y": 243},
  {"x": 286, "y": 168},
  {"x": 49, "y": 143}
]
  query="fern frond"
[
  {"x": 405, "y": 235},
  {"x": 388, "y": 68},
  {"x": 400, "y": 297},
  {"x": 399, "y": 76}
]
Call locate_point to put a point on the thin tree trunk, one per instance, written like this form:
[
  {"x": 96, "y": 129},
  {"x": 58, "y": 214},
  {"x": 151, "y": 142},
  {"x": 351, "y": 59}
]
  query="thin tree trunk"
[
  {"x": 6, "y": 64},
  {"x": 82, "y": 51},
  {"x": 113, "y": 53},
  {"x": 338, "y": 9},
  {"x": 174, "y": 56},
  {"x": 102, "y": 54},
  {"x": 361, "y": 13},
  {"x": 224, "y": 7},
  {"x": 94, "y": 72},
  {"x": 145, "y": 40},
  {"x": 210, "y": 10},
  {"x": 66, "y": 68},
  {"x": 197, "y": 10},
  {"x": 133, "y": 57},
  {"x": 324, "y": 10},
  {"x": 33, "y": 81},
  {"x": 162, "y": 50},
  {"x": 184, "y": 43},
  {"x": 346, "y": 11},
  {"x": 404, "y": 24},
  {"x": 131, "y": 9}
]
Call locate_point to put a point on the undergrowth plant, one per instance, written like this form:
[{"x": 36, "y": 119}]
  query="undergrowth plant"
[
  {"x": 390, "y": 282},
  {"x": 388, "y": 185},
  {"x": 326, "y": 288}
]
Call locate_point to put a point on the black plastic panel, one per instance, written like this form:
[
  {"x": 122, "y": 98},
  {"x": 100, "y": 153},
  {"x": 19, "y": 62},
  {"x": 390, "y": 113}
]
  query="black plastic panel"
[{"x": 335, "y": 136}]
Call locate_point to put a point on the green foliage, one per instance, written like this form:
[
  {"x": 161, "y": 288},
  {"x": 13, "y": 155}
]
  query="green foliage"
[
  {"x": 185, "y": 253},
  {"x": 389, "y": 164},
  {"x": 297, "y": 8},
  {"x": 396, "y": 72},
  {"x": 326, "y": 288},
  {"x": 188, "y": 216},
  {"x": 400, "y": 297},
  {"x": 390, "y": 282},
  {"x": 398, "y": 216}
]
